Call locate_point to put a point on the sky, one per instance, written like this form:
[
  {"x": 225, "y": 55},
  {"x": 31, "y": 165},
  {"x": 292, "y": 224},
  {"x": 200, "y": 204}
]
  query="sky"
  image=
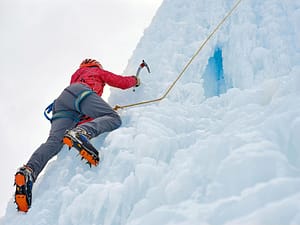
[{"x": 42, "y": 43}]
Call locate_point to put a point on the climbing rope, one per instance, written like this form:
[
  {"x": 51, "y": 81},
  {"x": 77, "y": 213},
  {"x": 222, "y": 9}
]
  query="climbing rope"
[{"x": 117, "y": 107}]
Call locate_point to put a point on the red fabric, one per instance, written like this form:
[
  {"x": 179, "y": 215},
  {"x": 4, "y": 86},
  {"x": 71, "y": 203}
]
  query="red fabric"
[
  {"x": 96, "y": 78},
  {"x": 84, "y": 120}
]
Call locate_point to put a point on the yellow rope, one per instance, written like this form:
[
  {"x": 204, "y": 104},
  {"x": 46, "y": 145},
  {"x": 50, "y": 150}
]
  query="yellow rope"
[{"x": 186, "y": 66}]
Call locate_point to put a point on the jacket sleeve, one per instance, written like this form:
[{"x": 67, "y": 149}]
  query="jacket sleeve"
[{"x": 118, "y": 81}]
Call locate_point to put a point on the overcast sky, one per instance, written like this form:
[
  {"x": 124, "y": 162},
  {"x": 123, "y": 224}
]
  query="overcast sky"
[{"x": 42, "y": 43}]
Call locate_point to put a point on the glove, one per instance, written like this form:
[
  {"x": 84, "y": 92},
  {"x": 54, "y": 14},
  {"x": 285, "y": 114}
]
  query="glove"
[{"x": 138, "y": 82}]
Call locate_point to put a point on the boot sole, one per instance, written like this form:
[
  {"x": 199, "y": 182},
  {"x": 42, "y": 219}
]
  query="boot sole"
[
  {"x": 83, "y": 152},
  {"x": 20, "y": 197}
]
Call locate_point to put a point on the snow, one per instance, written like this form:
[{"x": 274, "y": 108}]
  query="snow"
[{"x": 199, "y": 156}]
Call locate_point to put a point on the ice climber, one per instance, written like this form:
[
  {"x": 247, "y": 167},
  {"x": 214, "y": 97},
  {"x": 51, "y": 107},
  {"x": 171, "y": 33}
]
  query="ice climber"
[{"x": 78, "y": 115}]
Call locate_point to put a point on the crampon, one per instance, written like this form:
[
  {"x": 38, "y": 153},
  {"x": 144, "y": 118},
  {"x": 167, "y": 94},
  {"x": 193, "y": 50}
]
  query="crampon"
[
  {"x": 23, "y": 194},
  {"x": 82, "y": 144}
]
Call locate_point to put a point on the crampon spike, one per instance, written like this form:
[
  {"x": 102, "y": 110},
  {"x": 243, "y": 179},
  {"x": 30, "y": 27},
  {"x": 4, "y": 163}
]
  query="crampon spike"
[{"x": 89, "y": 157}]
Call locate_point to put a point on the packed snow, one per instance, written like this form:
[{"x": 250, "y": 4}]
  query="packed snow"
[{"x": 222, "y": 148}]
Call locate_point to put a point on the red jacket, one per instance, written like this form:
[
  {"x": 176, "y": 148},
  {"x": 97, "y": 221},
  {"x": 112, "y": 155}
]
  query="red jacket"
[{"x": 96, "y": 78}]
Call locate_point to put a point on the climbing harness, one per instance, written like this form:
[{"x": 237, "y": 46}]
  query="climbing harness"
[
  {"x": 80, "y": 98},
  {"x": 75, "y": 115},
  {"x": 117, "y": 107}
]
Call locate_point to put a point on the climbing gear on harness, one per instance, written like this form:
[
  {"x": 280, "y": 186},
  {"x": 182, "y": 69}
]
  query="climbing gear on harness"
[
  {"x": 48, "y": 110},
  {"x": 90, "y": 62},
  {"x": 75, "y": 115},
  {"x": 79, "y": 139},
  {"x": 117, "y": 107},
  {"x": 141, "y": 66}
]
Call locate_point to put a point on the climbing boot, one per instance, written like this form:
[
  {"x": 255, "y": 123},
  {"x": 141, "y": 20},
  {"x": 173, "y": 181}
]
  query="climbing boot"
[
  {"x": 79, "y": 139},
  {"x": 24, "y": 183}
]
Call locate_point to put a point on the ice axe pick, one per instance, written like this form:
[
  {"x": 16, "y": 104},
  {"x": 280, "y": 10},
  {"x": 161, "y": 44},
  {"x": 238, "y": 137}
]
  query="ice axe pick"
[{"x": 141, "y": 66}]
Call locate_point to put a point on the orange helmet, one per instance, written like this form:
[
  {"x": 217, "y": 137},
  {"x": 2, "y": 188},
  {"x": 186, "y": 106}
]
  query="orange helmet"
[{"x": 90, "y": 63}]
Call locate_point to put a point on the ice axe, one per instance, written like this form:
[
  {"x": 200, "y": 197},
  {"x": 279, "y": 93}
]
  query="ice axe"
[{"x": 141, "y": 66}]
